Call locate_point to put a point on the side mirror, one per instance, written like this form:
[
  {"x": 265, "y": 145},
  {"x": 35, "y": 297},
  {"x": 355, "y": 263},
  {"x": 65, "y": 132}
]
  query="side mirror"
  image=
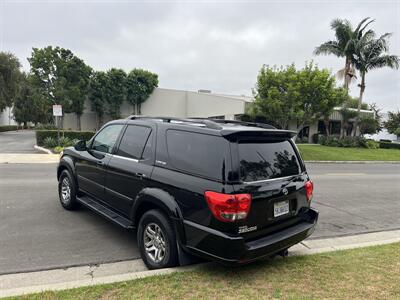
[{"x": 80, "y": 146}]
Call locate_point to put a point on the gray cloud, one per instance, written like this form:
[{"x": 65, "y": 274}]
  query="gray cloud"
[{"x": 215, "y": 45}]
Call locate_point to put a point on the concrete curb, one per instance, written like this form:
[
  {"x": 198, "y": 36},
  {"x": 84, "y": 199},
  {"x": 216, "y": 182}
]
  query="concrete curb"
[
  {"x": 351, "y": 162},
  {"x": 47, "y": 151},
  {"x": 74, "y": 277}
]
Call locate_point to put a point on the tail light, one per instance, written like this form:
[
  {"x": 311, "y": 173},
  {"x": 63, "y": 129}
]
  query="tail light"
[
  {"x": 309, "y": 186},
  {"x": 228, "y": 208}
]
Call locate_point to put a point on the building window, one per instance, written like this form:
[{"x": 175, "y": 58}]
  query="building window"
[{"x": 334, "y": 127}]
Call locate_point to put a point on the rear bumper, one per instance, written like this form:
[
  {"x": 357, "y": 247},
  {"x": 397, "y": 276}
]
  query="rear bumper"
[{"x": 215, "y": 245}]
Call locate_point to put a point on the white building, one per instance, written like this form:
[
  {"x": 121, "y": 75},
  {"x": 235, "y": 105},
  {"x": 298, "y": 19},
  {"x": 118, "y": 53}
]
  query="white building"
[
  {"x": 173, "y": 103},
  {"x": 7, "y": 117}
]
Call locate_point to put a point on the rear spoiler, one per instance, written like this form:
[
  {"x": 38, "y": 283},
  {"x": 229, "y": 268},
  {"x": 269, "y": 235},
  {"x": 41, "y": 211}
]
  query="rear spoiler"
[{"x": 257, "y": 132}]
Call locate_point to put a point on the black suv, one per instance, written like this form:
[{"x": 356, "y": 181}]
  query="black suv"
[{"x": 223, "y": 190}]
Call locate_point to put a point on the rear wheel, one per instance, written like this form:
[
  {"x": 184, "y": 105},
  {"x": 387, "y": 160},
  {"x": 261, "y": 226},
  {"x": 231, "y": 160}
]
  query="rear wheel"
[
  {"x": 157, "y": 240},
  {"x": 67, "y": 191}
]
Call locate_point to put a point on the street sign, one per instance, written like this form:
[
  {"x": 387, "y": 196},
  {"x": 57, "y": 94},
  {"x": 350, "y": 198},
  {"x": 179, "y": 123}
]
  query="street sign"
[{"x": 57, "y": 110}]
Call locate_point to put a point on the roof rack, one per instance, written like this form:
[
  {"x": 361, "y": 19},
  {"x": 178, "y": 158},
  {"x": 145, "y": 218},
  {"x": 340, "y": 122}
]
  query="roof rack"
[
  {"x": 190, "y": 121},
  {"x": 203, "y": 122},
  {"x": 243, "y": 123}
]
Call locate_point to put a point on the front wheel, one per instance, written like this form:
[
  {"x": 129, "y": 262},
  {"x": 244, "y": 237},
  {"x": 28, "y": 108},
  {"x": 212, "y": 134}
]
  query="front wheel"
[
  {"x": 157, "y": 241},
  {"x": 67, "y": 191}
]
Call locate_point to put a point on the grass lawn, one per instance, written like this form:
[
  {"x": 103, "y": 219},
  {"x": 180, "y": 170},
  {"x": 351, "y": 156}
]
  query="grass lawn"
[
  {"x": 318, "y": 152},
  {"x": 367, "y": 273}
]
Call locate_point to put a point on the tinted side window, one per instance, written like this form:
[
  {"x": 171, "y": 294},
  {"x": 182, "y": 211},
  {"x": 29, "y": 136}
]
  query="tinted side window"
[
  {"x": 201, "y": 154},
  {"x": 106, "y": 138},
  {"x": 260, "y": 160},
  {"x": 133, "y": 141}
]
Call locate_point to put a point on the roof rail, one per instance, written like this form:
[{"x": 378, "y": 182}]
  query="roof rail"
[
  {"x": 243, "y": 123},
  {"x": 190, "y": 121}
]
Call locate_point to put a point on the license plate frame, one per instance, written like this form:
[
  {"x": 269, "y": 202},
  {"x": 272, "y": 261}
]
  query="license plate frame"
[{"x": 281, "y": 208}]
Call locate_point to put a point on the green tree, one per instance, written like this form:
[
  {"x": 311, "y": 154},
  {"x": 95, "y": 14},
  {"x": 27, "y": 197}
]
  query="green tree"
[
  {"x": 393, "y": 123},
  {"x": 9, "y": 76},
  {"x": 47, "y": 67},
  {"x": 275, "y": 95},
  {"x": 139, "y": 86},
  {"x": 61, "y": 77},
  {"x": 347, "y": 114},
  {"x": 115, "y": 91},
  {"x": 352, "y": 102},
  {"x": 317, "y": 94},
  {"x": 284, "y": 94},
  {"x": 97, "y": 95},
  {"x": 29, "y": 105},
  {"x": 369, "y": 125},
  {"x": 344, "y": 45},
  {"x": 77, "y": 77},
  {"x": 372, "y": 54}
]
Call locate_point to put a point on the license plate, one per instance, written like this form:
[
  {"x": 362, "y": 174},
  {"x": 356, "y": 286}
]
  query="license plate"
[{"x": 281, "y": 208}]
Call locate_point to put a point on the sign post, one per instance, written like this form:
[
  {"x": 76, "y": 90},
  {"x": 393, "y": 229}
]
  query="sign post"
[{"x": 57, "y": 112}]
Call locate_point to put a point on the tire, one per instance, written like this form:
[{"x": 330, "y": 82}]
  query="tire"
[
  {"x": 156, "y": 230},
  {"x": 67, "y": 191}
]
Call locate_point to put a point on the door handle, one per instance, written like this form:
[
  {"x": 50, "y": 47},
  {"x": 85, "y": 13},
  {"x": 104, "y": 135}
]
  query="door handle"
[
  {"x": 140, "y": 175},
  {"x": 100, "y": 163}
]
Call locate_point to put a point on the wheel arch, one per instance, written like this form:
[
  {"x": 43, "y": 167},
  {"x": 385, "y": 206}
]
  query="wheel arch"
[
  {"x": 155, "y": 198},
  {"x": 66, "y": 163}
]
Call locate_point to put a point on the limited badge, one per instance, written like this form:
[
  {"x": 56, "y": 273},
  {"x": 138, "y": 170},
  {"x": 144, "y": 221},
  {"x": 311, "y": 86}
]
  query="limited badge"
[{"x": 244, "y": 229}]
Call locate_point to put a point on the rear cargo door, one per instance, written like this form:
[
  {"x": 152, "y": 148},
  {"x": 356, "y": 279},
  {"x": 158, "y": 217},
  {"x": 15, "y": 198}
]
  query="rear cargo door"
[{"x": 270, "y": 170}]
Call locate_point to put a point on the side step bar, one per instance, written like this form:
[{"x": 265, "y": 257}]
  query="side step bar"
[{"x": 105, "y": 212}]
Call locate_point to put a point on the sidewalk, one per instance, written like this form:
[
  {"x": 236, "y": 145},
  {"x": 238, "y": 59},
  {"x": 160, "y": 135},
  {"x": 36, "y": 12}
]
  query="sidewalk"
[
  {"x": 59, "y": 279},
  {"x": 22, "y": 158}
]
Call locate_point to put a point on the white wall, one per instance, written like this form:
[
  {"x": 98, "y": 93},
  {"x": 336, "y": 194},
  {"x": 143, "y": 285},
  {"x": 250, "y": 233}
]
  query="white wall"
[
  {"x": 4, "y": 117},
  {"x": 171, "y": 103}
]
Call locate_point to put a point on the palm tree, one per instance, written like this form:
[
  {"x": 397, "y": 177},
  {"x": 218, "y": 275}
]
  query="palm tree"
[
  {"x": 346, "y": 116},
  {"x": 344, "y": 45},
  {"x": 371, "y": 53}
]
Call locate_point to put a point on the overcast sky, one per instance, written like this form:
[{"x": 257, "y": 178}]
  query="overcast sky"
[{"x": 199, "y": 45}]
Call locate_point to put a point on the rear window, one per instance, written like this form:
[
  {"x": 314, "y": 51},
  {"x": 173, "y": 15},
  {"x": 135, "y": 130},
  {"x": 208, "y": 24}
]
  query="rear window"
[
  {"x": 261, "y": 160},
  {"x": 201, "y": 154}
]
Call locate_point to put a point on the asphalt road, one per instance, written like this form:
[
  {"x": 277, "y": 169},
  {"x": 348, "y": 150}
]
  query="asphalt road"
[
  {"x": 36, "y": 233},
  {"x": 17, "y": 141}
]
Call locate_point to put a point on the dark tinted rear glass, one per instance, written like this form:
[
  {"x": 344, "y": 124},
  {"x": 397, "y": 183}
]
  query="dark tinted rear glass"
[
  {"x": 133, "y": 141},
  {"x": 260, "y": 160},
  {"x": 201, "y": 154}
]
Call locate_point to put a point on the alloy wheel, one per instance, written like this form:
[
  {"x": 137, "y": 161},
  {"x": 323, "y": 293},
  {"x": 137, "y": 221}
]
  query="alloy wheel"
[{"x": 154, "y": 242}]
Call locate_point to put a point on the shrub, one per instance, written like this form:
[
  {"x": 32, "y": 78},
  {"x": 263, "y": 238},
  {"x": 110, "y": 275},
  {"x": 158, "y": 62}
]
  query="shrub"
[
  {"x": 8, "y": 128},
  {"x": 348, "y": 141},
  {"x": 65, "y": 141},
  {"x": 72, "y": 135},
  {"x": 49, "y": 142},
  {"x": 46, "y": 127},
  {"x": 386, "y": 145},
  {"x": 332, "y": 141},
  {"x": 302, "y": 140},
  {"x": 58, "y": 149},
  {"x": 370, "y": 144}
]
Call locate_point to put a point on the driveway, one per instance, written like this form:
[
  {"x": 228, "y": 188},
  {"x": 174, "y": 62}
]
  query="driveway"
[
  {"x": 36, "y": 233},
  {"x": 17, "y": 141}
]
